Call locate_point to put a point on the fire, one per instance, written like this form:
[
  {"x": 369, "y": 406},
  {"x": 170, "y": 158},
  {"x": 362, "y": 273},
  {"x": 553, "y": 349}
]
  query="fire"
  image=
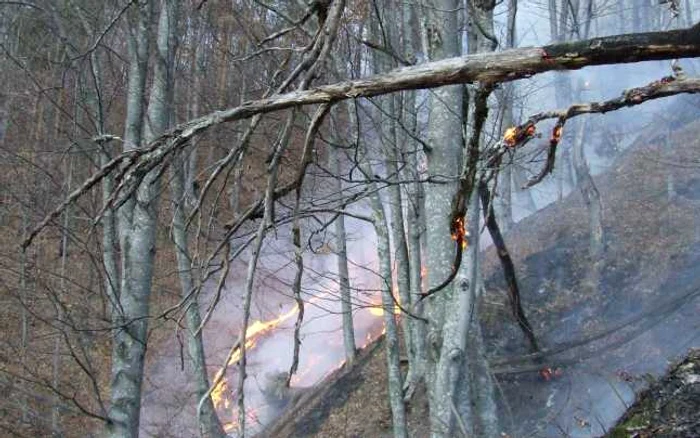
[
  {"x": 251, "y": 417},
  {"x": 221, "y": 394},
  {"x": 378, "y": 310},
  {"x": 548, "y": 373},
  {"x": 459, "y": 232},
  {"x": 218, "y": 395},
  {"x": 509, "y": 137},
  {"x": 517, "y": 134},
  {"x": 556, "y": 133}
]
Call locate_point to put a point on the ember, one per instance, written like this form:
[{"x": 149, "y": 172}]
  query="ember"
[
  {"x": 459, "y": 231},
  {"x": 549, "y": 373},
  {"x": 510, "y": 135},
  {"x": 556, "y": 133},
  {"x": 517, "y": 134}
]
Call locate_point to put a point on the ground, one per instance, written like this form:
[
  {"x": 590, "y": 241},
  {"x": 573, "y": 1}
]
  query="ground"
[{"x": 670, "y": 408}]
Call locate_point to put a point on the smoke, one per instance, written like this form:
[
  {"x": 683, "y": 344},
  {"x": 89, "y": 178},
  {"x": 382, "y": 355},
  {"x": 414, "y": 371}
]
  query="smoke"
[{"x": 168, "y": 402}]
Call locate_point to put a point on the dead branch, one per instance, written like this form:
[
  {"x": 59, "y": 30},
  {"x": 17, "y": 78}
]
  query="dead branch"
[
  {"x": 664, "y": 87},
  {"x": 296, "y": 234},
  {"x": 507, "y": 265}
]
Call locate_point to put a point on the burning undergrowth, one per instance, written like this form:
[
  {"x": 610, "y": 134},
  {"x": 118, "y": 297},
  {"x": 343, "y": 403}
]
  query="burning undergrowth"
[{"x": 618, "y": 326}]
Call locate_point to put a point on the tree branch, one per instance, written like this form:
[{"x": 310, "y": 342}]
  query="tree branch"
[
  {"x": 519, "y": 135},
  {"x": 488, "y": 68}
]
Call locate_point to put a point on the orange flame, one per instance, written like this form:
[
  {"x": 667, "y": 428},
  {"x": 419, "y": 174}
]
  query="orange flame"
[
  {"x": 509, "y": 137},
  {"x": 218, "y": 395},
  {"x": 459, "y": 232},
  {"x": 516, "y": 134},
  {"x": 255, "y": 330},
  {"x": 556, "y": 134}
]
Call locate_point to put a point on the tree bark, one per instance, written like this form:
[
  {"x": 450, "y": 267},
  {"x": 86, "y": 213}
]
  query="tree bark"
[
  {"x": 130, "y": 311},
  {"x": 342, "y": 259},
  {"x": 391, "y": 337}
]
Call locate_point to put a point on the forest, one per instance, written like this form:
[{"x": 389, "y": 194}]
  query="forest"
[{"x": 444, "y": 218}]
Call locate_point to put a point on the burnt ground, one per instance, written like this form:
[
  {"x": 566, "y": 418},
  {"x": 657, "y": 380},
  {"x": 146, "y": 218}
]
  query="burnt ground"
[
  {"x": 669, "y": 408},
  {"x": 648, "y": 289}
]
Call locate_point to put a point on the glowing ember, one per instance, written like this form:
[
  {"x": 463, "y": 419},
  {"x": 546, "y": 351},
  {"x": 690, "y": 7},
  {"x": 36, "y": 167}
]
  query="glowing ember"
[
  {"x": 517, "y": 134},
  {"x": 510, "y": 136},
  {"x": 556, "y": 134},
  {"x": 459, "y": 232},
  {"x": 549, "y": 373}
]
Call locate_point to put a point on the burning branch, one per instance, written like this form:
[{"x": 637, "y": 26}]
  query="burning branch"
[{"x": 519, "y": 135}]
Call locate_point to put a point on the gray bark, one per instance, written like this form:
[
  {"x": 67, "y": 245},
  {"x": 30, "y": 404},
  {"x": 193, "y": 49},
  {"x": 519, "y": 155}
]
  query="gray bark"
[
  {"x": 593, "y": 203},
  {"x": 342, "y": 259},
  {"x": 507, "y": 96},
  {"x": 415, "y": 211},
  {"x": 441, "y": 40},
  {"x": 388, "y": 119},
  {"x": 129, "y": 311},
  {"x": 138, "y": 220},
  {"x": 209, "y": 425},
  {"x": 457, "y": 369},
  {"x": 391, "y": 337}
]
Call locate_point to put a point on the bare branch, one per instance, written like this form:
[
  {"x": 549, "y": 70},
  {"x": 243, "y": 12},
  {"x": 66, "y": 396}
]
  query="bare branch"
[
  {"x": 488, "y": 68},
  {"x": 519, "y": 135}
]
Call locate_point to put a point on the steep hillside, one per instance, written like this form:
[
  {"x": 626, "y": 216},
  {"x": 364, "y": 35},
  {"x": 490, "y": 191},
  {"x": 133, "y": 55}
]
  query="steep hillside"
[
  {"x": 613, "y": 332},
  {"x": 669, "y": 408}
]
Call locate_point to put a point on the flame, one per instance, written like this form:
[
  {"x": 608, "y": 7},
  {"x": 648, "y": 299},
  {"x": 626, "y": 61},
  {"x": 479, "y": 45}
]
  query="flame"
[
  {"x": 378, "y": 310},
  {"x": 221, "y": 395},
  {"x": 459, "y": 232},
  {"x": 252, "y": 416},
  {"x": 218, "y": 395},
  {"x": 516, "y": 134},
  {"x": 509, "y": 137},
  {"x": 556, "y": 134}
]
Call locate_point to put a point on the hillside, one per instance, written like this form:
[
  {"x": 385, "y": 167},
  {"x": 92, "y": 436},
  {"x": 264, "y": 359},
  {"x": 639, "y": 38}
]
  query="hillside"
[
  {"x": 648, "y": 273},
  {"x": 669, "y": 408}
]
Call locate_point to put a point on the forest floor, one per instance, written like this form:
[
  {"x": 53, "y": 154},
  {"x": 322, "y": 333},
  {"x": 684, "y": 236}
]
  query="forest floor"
[
  {"x": 669, "y": 408},
  {"x": 652, "y": 229}
]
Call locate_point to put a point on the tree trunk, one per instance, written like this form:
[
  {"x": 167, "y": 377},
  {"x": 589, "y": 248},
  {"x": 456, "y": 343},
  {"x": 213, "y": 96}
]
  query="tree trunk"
[
  {"x": 342, "y": 259},
  {"x": 391, "y": 337},
  {"x": 209, "y": 425},
  {"x": 138, "y": 220},
  {"x": 441, "y": 40},
  {"x": 387, "y": 117}
]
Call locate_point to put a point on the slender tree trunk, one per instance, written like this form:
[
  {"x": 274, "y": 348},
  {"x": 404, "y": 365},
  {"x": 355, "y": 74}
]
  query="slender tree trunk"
[
  {"x": 209, "y": 425},
  {"x": 391, "y": 338},
  {"x": 138, "y": 220},
  {"x": 342, "y": 259},
  {"x": 409, "y": 150},
  {"x": 593, "y": 203},
  {"x": 62, "y": 291}
]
